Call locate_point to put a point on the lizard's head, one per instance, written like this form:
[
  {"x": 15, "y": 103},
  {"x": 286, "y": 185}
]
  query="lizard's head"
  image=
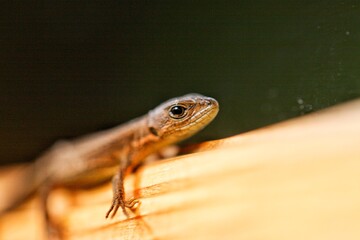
[{"x": 179, "y": 118}]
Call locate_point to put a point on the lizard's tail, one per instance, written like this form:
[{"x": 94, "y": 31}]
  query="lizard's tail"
[{"x": 16, "y": 187}]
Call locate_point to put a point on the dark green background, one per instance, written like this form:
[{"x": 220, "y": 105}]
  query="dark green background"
[{"x": 72, "y": 67}]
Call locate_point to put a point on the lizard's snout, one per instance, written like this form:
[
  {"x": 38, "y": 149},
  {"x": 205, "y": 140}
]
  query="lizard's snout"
[{"x": 208, "y": 101}]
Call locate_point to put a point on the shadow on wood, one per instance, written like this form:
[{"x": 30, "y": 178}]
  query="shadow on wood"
[{"x": 294, "y": 180}]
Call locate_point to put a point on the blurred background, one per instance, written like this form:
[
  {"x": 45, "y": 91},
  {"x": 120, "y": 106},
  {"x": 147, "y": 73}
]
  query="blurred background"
[{"x": 68, "y": 68}]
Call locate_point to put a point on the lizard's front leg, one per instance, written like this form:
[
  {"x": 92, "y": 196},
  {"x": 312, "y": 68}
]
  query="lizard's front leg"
[{"x": 119, "y": 192}]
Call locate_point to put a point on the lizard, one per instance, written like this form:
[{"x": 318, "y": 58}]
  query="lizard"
[{"x": 115, "y": 152}]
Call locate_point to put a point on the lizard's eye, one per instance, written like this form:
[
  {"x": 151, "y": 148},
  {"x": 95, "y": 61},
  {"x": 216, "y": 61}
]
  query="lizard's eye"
[{"x": 177, "y": 111}]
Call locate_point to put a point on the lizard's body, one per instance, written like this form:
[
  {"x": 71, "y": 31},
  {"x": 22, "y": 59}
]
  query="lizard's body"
[{"x": 115, "y": 152}]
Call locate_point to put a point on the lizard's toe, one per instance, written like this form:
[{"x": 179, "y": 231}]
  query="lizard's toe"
[{"x": 116, "y": 204}]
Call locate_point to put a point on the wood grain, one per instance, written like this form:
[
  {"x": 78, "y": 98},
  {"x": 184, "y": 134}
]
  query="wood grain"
[{"x": 299, "y": 179}]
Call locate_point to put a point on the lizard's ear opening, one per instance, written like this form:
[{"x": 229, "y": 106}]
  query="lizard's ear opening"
[
  {"x": 153, "y": 131},
  {"x": 151, "y": 123}
]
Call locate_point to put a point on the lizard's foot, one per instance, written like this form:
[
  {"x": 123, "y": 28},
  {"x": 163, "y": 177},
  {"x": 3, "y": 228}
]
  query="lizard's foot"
[{"x": 118, "y": 202}]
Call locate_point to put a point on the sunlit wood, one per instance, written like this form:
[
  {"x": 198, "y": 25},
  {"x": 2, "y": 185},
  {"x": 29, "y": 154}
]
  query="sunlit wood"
[{"x": 295, "y": 180}]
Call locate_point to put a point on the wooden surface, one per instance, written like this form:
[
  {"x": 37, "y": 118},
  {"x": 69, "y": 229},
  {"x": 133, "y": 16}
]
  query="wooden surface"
[{"x": 295, "y": 180}]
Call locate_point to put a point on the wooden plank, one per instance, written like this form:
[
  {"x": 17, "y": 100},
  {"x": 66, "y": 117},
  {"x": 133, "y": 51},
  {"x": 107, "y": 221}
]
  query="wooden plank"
[{"x": 294, "y": 180}]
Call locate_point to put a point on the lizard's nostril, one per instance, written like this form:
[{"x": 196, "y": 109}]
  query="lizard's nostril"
[
  {"x": 206, "y": 102},
  {"x": 210, "y": 102}
]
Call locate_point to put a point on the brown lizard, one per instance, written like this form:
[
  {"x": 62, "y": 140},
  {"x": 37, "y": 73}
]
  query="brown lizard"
[{"x": 115, "y": 152}]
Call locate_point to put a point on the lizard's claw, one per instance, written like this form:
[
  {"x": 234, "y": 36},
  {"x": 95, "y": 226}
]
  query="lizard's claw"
[
  {"x": 118, "y": 202},
  {"x": 132, "y": 203}
]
